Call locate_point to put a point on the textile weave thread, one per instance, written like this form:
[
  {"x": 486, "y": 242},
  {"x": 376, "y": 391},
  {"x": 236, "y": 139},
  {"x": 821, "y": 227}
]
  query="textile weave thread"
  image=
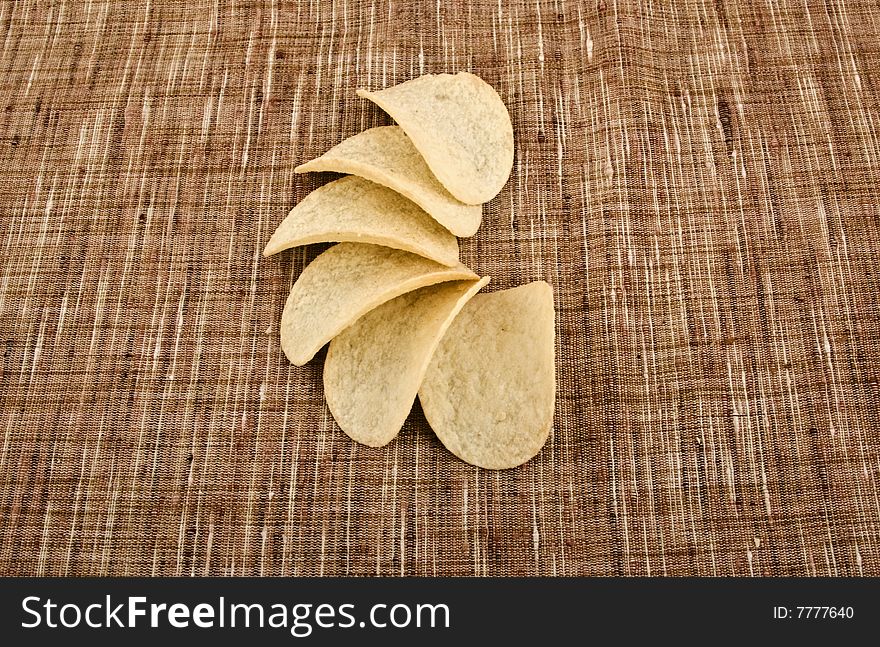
[{"x": 698, "y": 181}]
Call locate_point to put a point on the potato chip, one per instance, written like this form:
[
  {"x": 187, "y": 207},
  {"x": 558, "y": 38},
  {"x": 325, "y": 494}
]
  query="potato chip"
[
  {"x": 353, "y": 209},
  {"x": 346, "y": 282},
  {"x": 490, "y": 389},
  {"x": 460, "y": 126},
  {"x": 385, "y": 155},
  {"x": 375, "y": 366}
]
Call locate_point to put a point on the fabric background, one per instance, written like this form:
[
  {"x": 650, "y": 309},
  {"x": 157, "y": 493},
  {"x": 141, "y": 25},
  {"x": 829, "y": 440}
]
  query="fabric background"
[{"x": 698, "y": 180}]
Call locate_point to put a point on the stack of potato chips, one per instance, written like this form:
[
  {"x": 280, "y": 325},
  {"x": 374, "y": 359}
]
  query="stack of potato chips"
[{"x": 401, "y": 313}]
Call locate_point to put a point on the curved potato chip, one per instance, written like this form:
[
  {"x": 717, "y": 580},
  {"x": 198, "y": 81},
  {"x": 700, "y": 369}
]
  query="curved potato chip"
[
  {"x": 490, "y": 389},
  {"x": 375, "y": 366},
  {"x": 460, "y": 126},
  {"x": 385, "y": 155},
  {"x": 353, "y": 209},
  {"x": 346, "y": 282}
]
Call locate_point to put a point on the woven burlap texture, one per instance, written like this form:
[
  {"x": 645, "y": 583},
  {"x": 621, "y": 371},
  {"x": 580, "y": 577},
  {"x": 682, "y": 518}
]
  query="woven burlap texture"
[{"x": 698, "y": 181}]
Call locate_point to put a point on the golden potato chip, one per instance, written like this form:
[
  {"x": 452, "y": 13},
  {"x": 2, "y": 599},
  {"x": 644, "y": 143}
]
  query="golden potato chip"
[
  {"x": 353, "y": 209},
  {"x": 460, "y": 126},
  {"x": 346, "y": 282},
  {"x": 490, "y": 389},
  {"x": 385, "y": 155},
  {"x": 375, "y": 366}
]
